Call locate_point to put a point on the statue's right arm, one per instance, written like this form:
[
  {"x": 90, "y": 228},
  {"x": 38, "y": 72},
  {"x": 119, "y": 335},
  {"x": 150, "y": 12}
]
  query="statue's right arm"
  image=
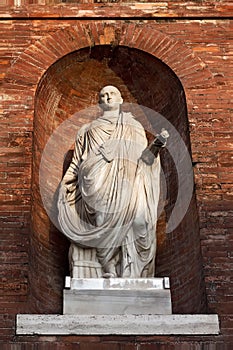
[{"x": 69, "y": 181}]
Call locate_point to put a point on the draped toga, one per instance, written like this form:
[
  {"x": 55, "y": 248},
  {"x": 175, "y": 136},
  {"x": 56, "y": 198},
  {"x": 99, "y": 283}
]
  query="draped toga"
[{"x": 108, "y": 197}]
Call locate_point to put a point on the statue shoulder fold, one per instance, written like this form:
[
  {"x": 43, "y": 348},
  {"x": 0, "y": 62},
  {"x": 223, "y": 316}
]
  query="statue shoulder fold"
[
  {"x": 82, "y": 131},
  {"x": 128, "y": 117}
]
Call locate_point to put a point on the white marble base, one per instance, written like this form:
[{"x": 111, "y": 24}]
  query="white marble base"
[
  {"x": 117, "y": 296},
  {"x": 117, "y": 325},
  {"x": 117, "y": 283}
]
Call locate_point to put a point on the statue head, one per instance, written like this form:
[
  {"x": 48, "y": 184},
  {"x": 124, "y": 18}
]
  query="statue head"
[{"x": 110, "y": 98}]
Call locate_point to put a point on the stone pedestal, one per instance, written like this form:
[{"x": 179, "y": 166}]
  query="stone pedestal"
[
  {"x": 117, "y": 296},
  {"x": 97, "y": 306}
]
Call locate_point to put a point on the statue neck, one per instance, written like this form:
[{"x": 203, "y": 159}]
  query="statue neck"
[{"x": 112, "y": 115}]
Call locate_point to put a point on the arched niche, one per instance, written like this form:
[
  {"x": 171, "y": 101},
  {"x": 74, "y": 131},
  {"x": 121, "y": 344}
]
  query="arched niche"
[{"x": 72, "y": 84}]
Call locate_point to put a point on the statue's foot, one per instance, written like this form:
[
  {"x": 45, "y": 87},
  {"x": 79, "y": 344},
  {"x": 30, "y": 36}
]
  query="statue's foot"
[
  {"x": 109, "y": 275},
  {"x": 109, "y": 270}
]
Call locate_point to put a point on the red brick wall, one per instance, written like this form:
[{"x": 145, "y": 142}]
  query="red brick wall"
[{"x": 199, "y": 52}]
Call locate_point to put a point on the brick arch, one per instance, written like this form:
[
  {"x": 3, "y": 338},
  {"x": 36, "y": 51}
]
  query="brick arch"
[
  {"x": 28, "y": 70},
  {"x": 38, "y": 57}
]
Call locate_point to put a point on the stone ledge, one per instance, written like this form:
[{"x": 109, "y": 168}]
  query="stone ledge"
[
  {"x": 172, "y": 9},
  {"x": 117, "y": 324}
]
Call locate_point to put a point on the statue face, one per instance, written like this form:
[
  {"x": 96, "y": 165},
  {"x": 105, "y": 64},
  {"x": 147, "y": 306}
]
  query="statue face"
[{"x": 110, "y": 98}]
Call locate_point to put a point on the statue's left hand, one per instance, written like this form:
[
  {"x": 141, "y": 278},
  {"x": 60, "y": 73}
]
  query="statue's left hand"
[{"x": 164, "y": 133}]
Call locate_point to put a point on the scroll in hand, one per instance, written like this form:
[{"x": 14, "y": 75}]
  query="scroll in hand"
[{"x": 152, "y": 151}]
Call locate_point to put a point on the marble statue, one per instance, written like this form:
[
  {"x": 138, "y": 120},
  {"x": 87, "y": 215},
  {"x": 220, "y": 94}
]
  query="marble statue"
[{"x": 109, "y": 195}]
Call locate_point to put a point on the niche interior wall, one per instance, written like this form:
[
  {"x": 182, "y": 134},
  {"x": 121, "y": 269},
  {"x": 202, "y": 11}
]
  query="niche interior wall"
[
  {"x": 72, "y": 84},
  {"x": 41, "y": 58}
]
